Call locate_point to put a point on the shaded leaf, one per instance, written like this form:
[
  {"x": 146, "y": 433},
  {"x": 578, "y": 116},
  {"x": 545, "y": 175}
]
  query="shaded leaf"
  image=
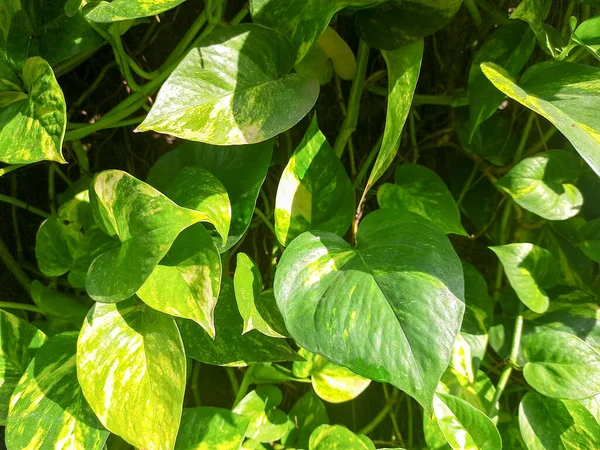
[
  {"x": 534, "y": 12},
  {"x": 305, "y": 416},
  {"x": 587, "y": 35},
  {"x": 57, "y": 304},
  {"x": 590, "y": 240},
  {"x": 208, "y": 428}
]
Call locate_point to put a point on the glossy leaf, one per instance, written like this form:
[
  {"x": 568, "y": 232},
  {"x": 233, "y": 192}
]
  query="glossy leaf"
[
  {"x": 241, "y": 170},
  {"x": 118, "y": 10},
  {"x": 561, "y": 365},
  {"x": 19, "y": 341},
  {"x": 145, "y": 235},
  {"x": 550, "y": 423},
  {"x": 587, "y": 34},
  {"x": 127, "y": 352},
  {"x": 305, "y": 416},
  {"x": 32, "y": 128},
  {"x": 510, "y": 46},
  {"x": 208, "y": 428},
  {"x": 245, "y": 98},
  {"x": 403, "y": 67},
  {"x": 590, "y": 240},
  {"x": 543, "y": 184},
  {"x": 314, "y": 191},
  {"x": 534, "y": 12},
  {"x": 230, "y": 347},
  {"x": 48, "y": 409},
  {"x": 332, "y": 437},
  {"x": 565, "y": 94},
  {"x": 463, "y": 425},
  {"x": 248, "y": 286},
  {"x": 402, "y": 274},
  {"x": 530, "y": 270},
  {"x": 267, "y": 423},
  {"x": 420, "y": 190}
]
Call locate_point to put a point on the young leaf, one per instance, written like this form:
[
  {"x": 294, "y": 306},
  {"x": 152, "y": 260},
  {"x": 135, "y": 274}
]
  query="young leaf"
[
  {"x": 510, "y": 46},
  {"x": 332, "y": 437},
  {"x": 267, "y": 423},
  {"x": 561, "y": 365},
  {"x": 208, "y": 428},
  {"x": 420, "y": 190},
  {"x": 534, "y": 12},
  {"x": 32, "y": 128},
  {"x": 403, "y": 66},
  {"x": 314, "y": 192},
  {"x": 241, "y": 169},
  {"x": 247, "y": 282},
  {"x": 565, "y": 94},
  {"x": 132, "y": 370},
  {"x": 146, "y": 224},
  {"x": 402, "y": 274},
  {"x": 305, "y": 416},
  {"x": 119, "y": 10},
  {"x": 19, "y": 341},
  {"x": 333, "y": 383},
  {"x": 590, "y": 240},
  {"x": 530, "y": 270},
  {"x": 230, "y": 347},
  {"x": 243, "y": 98},
  {"x": 551, "y": 423},
  {"x": 187, "y": 280},
  {"x": 543, "y": 185},
  {"x": 463, "y": 425},
  {"x": 48, "y": 409}
]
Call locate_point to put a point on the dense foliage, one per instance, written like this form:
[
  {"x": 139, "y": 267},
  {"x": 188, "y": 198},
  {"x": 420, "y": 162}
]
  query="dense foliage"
[{"x": 300, "y": 224}]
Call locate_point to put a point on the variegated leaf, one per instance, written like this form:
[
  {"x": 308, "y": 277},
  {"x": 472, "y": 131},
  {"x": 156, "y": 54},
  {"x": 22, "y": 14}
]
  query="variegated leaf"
[
  {"x": 118, "y": 10},
  {"x": 208, "y": 428}
]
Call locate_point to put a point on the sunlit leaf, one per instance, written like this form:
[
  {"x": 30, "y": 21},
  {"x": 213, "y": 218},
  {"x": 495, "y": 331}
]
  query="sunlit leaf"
[
  {"x": 305, "y": 416},
  {"x": 587, "y": 34},
  {"x": 208, "y": 428},
  {"x": 118, "y": 10},
  {"x": 332, "y": 437}
]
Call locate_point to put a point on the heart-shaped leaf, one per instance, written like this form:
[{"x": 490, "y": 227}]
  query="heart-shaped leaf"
[
  {"x": 543, "y": 185},
  {"x": 314, "y": 192},
  {"x": 48, "y": 409},
  {"x": 306, "y": 415},
  {"x": 420, "y": 190},
  {"x": 146, "y": 224},
  {"x": 127, "y": 352},
  {"x": 400, "y": 289},
  {"x": 565, "y": 94},
  {"x": 331, "y": 437},
  {"x": 118, "y": 10},
  {"x": 241, "y": 170},
  {"x": 33, "y": 127},
  {"x": 207, "y": 427},
  {"x": 530, "y": 270},
  {"x": 243, "y": 98}
]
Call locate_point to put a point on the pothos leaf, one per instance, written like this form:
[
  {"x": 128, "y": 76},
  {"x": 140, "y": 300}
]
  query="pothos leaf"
[
  {"x": 48, "y": 409},
  {"x": 119, "y": 10},
  {"x": 331, "y": 296},
  {"x": 32, "y": 128},
  {"x": 244, "y": 98},
  {"x": 305, "y": 416},
  {"x": 146, "y": 224},
  {"x": 590, "y": 240},
  {"x": 534, "y": 12},
  {"x": 206, "y": 428},
  {"x": 314, "y": 192},
  {"x": 331, "y": 437},
  {"x": 127, "y": 352},
  {"x": 19, "y": 341}
]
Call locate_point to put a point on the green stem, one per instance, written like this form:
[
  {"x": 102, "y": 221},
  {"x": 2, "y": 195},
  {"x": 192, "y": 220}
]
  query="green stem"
[
  {"x": 376, "y": 420},
  {"x": 12, "y": 265},
  {"x": 20, "y": 204},
  {"x": 351, "y": 119},
  {"x": 367, "y": 164},
  {"x": 123, "y": 60},
  {"x": 265, "y": 220},
  {"x": 7, "y": 169},
  {"x": 235, "y": 385},
  {"x": 468, "y": 184},
  {"x": 474, "y": 11},
  {"x": 524, "y": 137},
  {"x": 195, "y": 389},
  {"x": 22, "y": 306},
  {"x": 243, "y": 388}
]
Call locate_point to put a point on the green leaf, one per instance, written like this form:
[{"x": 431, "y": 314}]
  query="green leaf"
[
  {"x": 241, "y": 169},
  {"x": 305, "y": 416},
  {"x": 72, "y": 6},
  {"x": 244, "y": 98},
  {"x": 396, "y": 22},
  {"x": 534, "y": 12},
  {"x": 32, "y": 128},
  {"x": 402, "y": 274},
  {"x": 509, "y": 46},
  {"x": 543, "y": 184},
  {"x": 19, "y": 342},
  {"x": 587, "y": 35},
  {"x": 267, "y": 423},
  {"x": 530, "y": 270},
  {"x": 317, "y": 64},
  {"x": 565, "y": 94},
  {"x": 208, "y": 428},
  {"x": 145, "y": 235},
  {"x": 314, "y": 192},
  {"x": 248, "y": 286},
  {"x": 48, "y": 409},
  {"x": 590, "y": 240},
  {"x": 333, "y": 437},
  {"x": 333, "y": 383},
  {"x": 132, "y": 370},
  {"x": 463, "y": 425},
  {"x": 551, "y": 423},
  {"x": 420, "y": 190},
  {"x": 561, "y": 365},
  {"x": 478, "y": 392},
  {"x": 403, "y": 67},
  {"x": 231, "y": 347},
  {"x": 301, "y": 22},
  {"x": 187, "y": 280},
  {"x": 118, "y": 10},
  {"x": 57, "y": 304},
  {"x": 592, "y": 404}
]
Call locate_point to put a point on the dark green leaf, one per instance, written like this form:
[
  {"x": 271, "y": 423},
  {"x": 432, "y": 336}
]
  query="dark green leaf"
[
  {"x": 59, "y": 305},
  {"x": 534, "y": 12},
  {"x": 590, "y": 240}
]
